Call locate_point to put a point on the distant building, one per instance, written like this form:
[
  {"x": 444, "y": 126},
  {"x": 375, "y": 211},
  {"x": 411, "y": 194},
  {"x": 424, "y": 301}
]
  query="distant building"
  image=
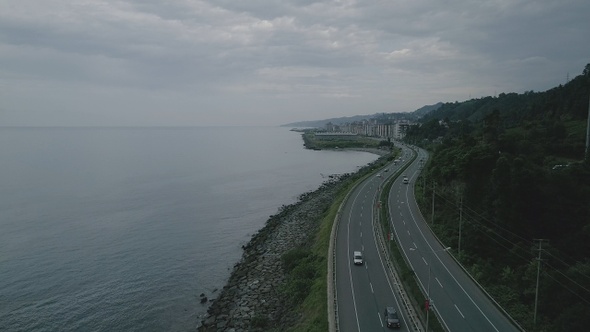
[
  {"x": 400, "y": 129},
  {"x": 386, "y": 129}
]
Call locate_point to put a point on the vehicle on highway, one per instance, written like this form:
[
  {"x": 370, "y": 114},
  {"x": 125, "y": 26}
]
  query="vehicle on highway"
[
  {"x": 406, "y": 181},
  {"x": 391, "y": 317},
  {"x": 358, "y": 258}
]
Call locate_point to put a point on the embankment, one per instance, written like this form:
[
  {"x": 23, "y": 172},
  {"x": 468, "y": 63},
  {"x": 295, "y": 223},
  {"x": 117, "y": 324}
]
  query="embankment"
[{"x": 252, "y": 299}]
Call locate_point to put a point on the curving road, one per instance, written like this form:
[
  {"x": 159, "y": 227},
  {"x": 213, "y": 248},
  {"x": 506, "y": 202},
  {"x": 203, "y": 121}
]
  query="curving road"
[
  {"x": 364, "y": 291},
  {"x": 461, "y": 304}
]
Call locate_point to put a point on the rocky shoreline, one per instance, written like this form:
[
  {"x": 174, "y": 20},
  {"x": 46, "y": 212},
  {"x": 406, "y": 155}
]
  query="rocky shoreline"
[{"x": 251, "y": 300}]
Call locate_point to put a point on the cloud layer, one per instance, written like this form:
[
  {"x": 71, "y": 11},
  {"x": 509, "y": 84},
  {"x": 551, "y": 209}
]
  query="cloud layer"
[{"x": 227, "y": 62}]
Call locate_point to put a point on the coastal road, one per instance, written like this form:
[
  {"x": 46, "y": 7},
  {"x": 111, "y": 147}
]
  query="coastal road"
[
  {"x": 458, "y": 300},
  {"x": 363, "y": 291}
]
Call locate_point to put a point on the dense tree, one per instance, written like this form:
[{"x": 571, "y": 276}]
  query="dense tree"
[{"x": 520, "y": 161}]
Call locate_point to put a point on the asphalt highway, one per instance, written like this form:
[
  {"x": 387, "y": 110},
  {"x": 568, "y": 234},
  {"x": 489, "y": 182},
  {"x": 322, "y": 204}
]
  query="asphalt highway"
[
  {"x": 363, "y": 291},
  {"x": 461, "y": 304}
]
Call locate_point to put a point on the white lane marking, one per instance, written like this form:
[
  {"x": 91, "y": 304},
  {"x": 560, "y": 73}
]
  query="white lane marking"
[
  {"x": 404, "y": 221},
  {"x": 425, "y": 262},
  {"x": 447, "y": 269},
  {"x": 379, "y": 318},
  {"x": 460, "y": 313},
  {"x": 408, "y": 232},
  {"x": 373, "y": 291},
  {"x": 415, "y": 246},
  {"x": 358, "y": 325},
  {"x": 441, "y": 286},
  {"x": 361, "y": 234}
]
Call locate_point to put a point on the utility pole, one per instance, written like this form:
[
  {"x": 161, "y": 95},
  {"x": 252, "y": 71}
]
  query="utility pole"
[
  {"x": 588, "y": 133},
  {"x": 433, "y": 184},
  {"x": 460, "y": 222},
  {"x": 538, "y": 273}
]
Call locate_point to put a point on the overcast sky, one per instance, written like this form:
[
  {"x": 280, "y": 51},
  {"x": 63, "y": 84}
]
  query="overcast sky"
[{"x": 270, "y": 62}]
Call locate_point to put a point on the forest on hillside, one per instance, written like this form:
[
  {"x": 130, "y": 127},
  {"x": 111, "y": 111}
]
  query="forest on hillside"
[{"x": 510, "y": 183}]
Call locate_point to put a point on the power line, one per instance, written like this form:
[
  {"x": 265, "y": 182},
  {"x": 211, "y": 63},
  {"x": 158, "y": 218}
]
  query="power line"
[
  {"x": 469, "y": 209},
  {"x": 527, "y": 259},
  {"x": 568, "y": 266},
  {"x": 564, "y": 286},
  {"x": 518, "y": 245},
  {"x": 538, "y": 272},
  {"x": 478, "y": 216},
  {"x": 493, "y": 231},
  {"x": 568, "y": 278}
]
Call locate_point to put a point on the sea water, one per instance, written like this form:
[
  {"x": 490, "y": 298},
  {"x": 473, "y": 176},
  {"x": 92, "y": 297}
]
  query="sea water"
[{"x": 122, "y": 229}]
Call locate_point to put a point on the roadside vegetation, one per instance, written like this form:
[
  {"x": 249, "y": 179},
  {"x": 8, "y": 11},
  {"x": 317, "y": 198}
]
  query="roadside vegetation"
[
  {"x": 510, "y": 184},
  {"x": 306, "y": 267}
]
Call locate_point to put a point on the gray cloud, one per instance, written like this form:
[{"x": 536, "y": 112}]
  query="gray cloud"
[{"x": 216, "y": 62}]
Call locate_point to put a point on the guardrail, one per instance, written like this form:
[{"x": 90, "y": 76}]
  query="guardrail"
[
  {"x": 412, "y": 314},
  {"x": 393, "y": 273},
  {"x": 333, "y": 316}
]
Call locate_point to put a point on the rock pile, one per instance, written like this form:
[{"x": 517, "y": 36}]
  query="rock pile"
[{"x": 252, "y": 300}]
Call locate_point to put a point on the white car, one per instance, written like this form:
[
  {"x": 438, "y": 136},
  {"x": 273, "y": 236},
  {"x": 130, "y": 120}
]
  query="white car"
[
  {"x": 406, "y": 181},
  {"x": 357, "y": 258}
]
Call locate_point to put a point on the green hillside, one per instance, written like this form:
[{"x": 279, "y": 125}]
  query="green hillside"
[{"x": 504, "y": 173}]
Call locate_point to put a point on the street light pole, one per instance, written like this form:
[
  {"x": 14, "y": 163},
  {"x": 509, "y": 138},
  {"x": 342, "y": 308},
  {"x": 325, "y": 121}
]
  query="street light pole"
[
  {"x": 428, "y": 295},
  {"x": 428, "y": 299}
]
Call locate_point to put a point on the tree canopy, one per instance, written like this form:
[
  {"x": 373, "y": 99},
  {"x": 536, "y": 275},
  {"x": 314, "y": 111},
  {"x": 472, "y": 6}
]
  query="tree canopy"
[{"x": 514, "y": 166}]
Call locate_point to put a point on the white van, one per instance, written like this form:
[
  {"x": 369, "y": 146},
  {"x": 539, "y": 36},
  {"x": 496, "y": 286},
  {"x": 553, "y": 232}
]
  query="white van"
[{"x": 357, "y": 258}]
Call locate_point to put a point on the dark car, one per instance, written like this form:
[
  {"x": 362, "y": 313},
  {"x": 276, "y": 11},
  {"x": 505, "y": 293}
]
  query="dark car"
[{"x": 391, "y": 318}]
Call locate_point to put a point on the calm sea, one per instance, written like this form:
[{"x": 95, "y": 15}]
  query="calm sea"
[{"x": 121, "y": 229}]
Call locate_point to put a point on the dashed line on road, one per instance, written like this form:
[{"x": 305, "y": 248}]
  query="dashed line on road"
[
  {"x": 425, "y": 262},
  {"x": 441, "y": 286},
  {"x": 460, "y": 313},
  {"x": 373, "y": 291}
]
